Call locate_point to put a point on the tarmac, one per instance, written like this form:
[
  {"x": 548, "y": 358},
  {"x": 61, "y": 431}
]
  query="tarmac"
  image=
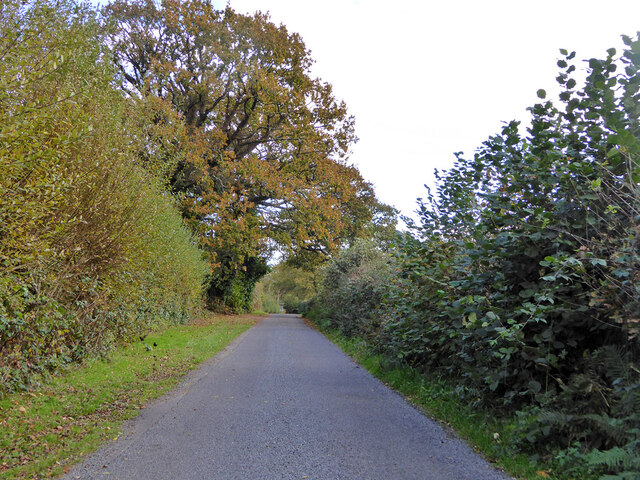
[{"x": 283, "y": 402}]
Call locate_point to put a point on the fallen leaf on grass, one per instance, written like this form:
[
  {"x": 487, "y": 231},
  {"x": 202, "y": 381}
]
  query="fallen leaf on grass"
[
  {"x": 542, "y": 473},
  {"x": 21, "y": 409}
]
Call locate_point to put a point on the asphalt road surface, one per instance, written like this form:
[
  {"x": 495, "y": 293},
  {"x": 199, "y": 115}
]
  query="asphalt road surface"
[{"x": 282, "y": 402}]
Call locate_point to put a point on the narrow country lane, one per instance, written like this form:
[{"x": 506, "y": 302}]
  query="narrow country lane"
[{"x": 282, "y": 402}]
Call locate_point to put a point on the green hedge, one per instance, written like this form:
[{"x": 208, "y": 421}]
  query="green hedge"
[
  {"x": 92, "y": 249},
  {"x": 522, "y": 279}
]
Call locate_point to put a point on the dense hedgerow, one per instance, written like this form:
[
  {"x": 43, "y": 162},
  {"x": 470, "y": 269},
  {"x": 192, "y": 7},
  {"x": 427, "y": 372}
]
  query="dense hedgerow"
[
  {"x": 354, "y": 287},
  {"x": 523, "y": 279},
  {"x": 92, "y": 249}
]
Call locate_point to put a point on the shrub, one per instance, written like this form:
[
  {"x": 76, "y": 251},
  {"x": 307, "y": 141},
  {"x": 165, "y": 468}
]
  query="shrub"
[
  {"x": 521, "y": 280},
  {"x": 92, "y": 249},
  {"x": 354, "y": 286}
]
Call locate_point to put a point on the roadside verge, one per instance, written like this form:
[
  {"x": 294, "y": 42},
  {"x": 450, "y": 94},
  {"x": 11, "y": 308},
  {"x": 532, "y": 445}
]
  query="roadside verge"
[{"x": 45, "y": 430}]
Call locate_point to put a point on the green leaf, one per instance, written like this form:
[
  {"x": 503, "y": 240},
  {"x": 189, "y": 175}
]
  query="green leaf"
[
  {"x": 542, "y": 93},
  {"x": 535, "y": 386}
]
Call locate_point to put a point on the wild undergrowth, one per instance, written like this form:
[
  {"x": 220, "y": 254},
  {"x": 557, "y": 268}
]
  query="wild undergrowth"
[
  {"x": 521, "y": 281},
  {"x": 93, "y": 250}
]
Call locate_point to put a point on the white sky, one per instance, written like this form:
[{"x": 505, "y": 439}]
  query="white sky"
[{"x": 425, "y": 79}]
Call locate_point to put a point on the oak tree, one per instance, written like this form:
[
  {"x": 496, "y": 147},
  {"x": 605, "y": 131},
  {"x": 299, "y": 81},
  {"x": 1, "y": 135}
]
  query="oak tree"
[{"x": 268, "y": 143}]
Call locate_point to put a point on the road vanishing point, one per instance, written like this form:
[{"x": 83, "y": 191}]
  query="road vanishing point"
[{"x": 283, "y": 402}]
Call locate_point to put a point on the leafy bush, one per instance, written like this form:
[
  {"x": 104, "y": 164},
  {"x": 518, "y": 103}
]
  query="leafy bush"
[
  {"x": 522, "y": 278},
  {"x": 354, "y": 286},
  {"x": 538, "y": 281},
  {"x": 92, "y": 249}
]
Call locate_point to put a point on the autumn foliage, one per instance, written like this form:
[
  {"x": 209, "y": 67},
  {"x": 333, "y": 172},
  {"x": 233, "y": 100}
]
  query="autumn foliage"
[
  {"x": 153, "y": 155},
  {"x": 266, "y": 169}
]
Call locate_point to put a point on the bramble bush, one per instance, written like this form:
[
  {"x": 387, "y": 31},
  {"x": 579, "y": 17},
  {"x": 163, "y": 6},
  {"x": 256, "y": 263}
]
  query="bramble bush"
[{"x": 92, "y": 248}]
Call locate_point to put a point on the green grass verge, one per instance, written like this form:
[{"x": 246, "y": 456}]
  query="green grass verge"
[
  {"x": 44, "y": 431},
  {"x": 443, "y": 401}
]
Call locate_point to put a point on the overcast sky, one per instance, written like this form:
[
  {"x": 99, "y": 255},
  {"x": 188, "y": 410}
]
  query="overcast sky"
[{"x": 426, "y": 78}]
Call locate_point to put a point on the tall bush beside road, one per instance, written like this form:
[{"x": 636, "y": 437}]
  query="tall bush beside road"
[
  {"x": 529, "y": 254},
  {"x": 522, "y": 280},
  {"x": 92, "y": 250},
  {"x": 354, "y": 287}
]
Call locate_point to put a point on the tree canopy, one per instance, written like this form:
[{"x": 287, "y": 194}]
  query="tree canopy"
[{"x": 268, "y": 143}]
